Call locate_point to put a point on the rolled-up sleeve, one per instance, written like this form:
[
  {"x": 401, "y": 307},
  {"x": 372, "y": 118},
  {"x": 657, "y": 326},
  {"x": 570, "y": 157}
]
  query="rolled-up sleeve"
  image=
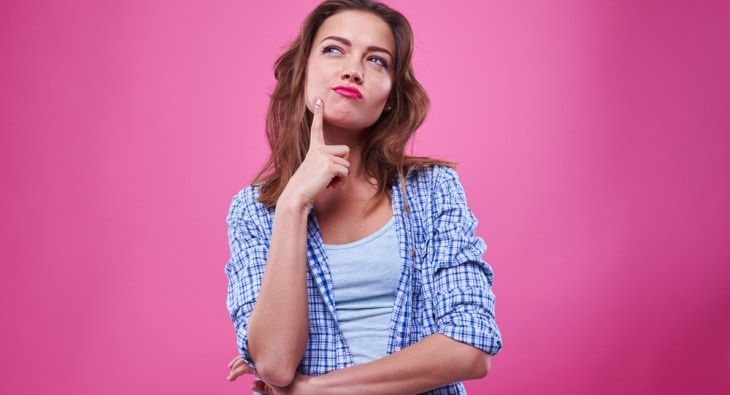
[
  {"x": 249, "y": 245},
  {"x": 463, "y": 300}
]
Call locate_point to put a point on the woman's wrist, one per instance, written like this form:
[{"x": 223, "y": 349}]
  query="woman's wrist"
[
  {"x": 292, "y": 204},
  {"x": 315, "y": 385}
]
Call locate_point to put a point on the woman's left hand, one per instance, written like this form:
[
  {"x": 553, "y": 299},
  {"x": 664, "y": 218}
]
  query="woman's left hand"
[{"x": 238, "y": 368}]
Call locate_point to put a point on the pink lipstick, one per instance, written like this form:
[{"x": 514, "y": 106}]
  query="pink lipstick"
[{"x": 348, "y": 91}]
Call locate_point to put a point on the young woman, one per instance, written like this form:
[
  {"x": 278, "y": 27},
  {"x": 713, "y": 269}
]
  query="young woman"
[{"x": 355, "y": 268}]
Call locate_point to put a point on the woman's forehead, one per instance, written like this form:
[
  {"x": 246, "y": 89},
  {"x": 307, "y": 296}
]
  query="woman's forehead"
[{"x": 359, "y": 28}]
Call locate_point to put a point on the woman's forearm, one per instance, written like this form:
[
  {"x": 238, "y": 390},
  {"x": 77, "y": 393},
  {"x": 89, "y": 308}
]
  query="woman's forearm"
[
  {"x": 433, "y": 362},
  {"x": 278, "y": 327}
]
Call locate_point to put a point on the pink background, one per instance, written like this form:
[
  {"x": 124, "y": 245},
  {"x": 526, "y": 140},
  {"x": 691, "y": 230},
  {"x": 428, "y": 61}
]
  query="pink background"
[{"x": 593, "y": 139}]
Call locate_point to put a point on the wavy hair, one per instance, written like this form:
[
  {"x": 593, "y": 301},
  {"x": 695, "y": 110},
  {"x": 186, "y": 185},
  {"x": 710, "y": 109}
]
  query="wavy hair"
[{"x": 288, "y": 121}]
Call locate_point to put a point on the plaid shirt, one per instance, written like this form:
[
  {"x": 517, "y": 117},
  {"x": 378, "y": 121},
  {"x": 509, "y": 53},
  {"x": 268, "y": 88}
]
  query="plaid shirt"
[{"x": 445, "y": 286}]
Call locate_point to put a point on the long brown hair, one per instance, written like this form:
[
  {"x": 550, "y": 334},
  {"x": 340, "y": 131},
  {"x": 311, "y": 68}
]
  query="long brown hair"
[{"x": 288, "y": 120}]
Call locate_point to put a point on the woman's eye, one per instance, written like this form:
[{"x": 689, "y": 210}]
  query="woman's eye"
[
  {"x": 379, "y": 61},
  {"x": 331, "y": 49}
]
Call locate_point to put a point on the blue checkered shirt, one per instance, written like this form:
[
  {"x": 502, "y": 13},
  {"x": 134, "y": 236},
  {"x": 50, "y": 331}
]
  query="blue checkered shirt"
[{"x": 445, "y": 286}]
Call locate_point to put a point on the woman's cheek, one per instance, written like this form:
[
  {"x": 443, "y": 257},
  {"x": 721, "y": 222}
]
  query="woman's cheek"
[{"x": 312, "y": 93}]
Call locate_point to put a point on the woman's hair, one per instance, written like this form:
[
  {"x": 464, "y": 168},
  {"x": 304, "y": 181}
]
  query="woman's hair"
[{"x": 288, "y": 121}]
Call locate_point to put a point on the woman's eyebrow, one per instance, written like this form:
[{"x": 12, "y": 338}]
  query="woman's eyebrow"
[{"x": 372, "y": 48}]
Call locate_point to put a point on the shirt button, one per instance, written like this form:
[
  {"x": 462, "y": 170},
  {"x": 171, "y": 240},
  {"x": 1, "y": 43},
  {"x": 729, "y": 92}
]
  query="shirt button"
[{"x": 413, "y": 253}]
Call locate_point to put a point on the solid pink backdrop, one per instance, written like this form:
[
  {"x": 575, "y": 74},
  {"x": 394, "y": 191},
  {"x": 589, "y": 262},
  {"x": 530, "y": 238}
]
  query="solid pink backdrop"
[{"x": 593, "y": 143}]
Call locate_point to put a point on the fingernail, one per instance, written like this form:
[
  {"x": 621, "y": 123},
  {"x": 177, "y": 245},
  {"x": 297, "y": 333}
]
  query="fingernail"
[{"x": 318, "y": 104}]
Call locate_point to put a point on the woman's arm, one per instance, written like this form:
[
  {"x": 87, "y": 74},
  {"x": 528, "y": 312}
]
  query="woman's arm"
[
  {"x": 278, "y": 328},
  {"x": 434, "y": 362}
]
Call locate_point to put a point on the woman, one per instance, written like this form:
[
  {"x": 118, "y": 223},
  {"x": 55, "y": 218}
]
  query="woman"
[{"x": 354, "y": 268}]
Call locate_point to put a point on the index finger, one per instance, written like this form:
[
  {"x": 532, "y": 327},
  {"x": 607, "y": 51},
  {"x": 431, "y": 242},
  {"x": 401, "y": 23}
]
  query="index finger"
[{"x": 317, "y": 137}]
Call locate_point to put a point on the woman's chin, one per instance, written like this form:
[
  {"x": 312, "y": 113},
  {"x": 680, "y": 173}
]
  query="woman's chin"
[{"x": 347, "y": 121}]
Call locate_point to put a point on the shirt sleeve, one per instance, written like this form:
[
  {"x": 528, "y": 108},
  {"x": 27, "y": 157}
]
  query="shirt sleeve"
[
  {"x": 249, "y": 244},
  {"x": 462, "y": 289}
]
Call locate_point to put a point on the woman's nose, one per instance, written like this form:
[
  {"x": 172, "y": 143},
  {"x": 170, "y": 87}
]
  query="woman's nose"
[{"x": 351, "y": 74}]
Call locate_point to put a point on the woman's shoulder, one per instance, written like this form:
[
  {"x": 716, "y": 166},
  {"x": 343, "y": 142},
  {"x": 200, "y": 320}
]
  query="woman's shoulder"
[
  {"x": 431, "y": 176},
  {"x": 426, "y": 185},
  {"x": 247, "y": 195},
  {"x": 245, "y": 202}
]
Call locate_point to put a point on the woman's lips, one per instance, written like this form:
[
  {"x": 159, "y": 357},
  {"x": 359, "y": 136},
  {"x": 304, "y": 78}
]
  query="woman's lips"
[{"x": 348, "y": 91}]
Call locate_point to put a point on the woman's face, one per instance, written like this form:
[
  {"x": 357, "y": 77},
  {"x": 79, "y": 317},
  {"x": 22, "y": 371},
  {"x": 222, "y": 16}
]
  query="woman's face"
[{"x": 350, "y": 68}]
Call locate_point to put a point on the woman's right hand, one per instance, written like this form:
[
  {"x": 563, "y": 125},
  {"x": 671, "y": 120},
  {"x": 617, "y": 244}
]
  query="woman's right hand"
[{"x": 324, "y": 166}]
